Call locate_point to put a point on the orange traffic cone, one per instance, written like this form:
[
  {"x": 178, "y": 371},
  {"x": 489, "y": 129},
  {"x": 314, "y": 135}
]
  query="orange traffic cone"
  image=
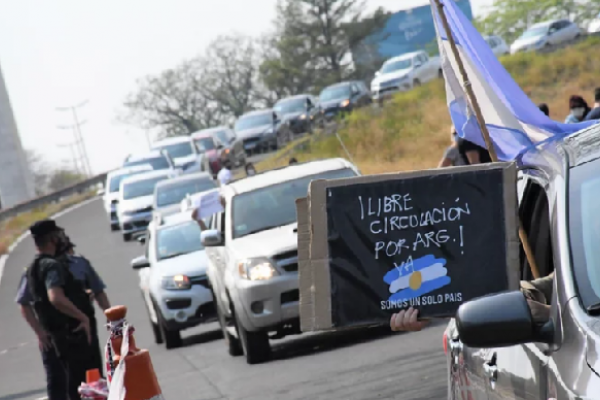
[{"x": 131, "y": 375}]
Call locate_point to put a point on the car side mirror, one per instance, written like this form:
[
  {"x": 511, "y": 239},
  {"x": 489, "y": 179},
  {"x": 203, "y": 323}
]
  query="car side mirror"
[
  {"x": 220, "y": 146},
  {"x": 141, "y": 239},
  {"x": 140, "y": 262},
  {"x": 309, "y": 105},
  {"x": 211, "y": 238},
  {"x": 500, "y": 320},
  {"x": 417, "y": 64}
]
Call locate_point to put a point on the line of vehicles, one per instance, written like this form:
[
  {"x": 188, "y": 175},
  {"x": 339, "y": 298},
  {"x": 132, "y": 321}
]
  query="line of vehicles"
[{"x": 241, "y": 271}]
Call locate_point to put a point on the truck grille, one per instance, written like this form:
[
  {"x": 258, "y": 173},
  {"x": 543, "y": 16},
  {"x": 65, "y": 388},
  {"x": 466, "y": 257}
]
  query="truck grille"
[{"x": 287, "y": 261}]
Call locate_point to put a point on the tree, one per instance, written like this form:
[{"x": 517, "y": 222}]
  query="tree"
[
  {"x": 509, "y": 18},
  {"x": 39, "y": 170},
  {"x": 314, "y": 42},
  {"x": 63, "y": 178},
  {"x": 173, "y": 102},
  {"x": 231, "y": 74}
]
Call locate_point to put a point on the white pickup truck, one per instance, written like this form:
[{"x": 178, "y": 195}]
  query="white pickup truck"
[{"x": 404, "y": 72}]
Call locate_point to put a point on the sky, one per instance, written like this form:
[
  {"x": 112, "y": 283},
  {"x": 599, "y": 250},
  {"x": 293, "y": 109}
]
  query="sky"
[{"x": 62, "y": 53}]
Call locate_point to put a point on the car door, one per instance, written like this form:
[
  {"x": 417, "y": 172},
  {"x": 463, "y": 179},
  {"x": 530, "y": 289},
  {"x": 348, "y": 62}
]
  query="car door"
[
  {"x": 144, "y": 274},
  {"x": 473, "y": 368},
  {"x": 218, "y": 257},
  {"x": 519, "y": 372}
]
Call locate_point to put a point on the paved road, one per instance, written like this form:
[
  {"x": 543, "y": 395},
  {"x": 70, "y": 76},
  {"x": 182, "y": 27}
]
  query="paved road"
[{"x": 361, "y": 365}]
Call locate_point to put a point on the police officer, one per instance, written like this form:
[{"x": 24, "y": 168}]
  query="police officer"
[
  {"x": 83, "y": 271},
  {"x": 64, "y": 311}
]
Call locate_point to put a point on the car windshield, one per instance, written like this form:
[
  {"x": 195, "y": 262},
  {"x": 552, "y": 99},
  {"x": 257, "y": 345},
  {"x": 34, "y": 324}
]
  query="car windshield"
[
  {"x": 584, "y": 227},
  {"x": 290, "y": 106},
  {"x": 253, "y": 121},
  {"x": 205, "y": 143},
  {"x": 275, "y": 205},
  {"x": 177, "y": 240},
  {"x": 173, "y": 193},
  {"x": 222, "y": 137},
  {"x": 156, "y": 163},
  {"x": 396, "y": 66},
  {"x": 533, "y": 32},
  {"x": 136, "y": 189},
  {"x": 115, "y": 181},
  {"x": 178, "y": 150},
  {"x": 335, "y": 93}
]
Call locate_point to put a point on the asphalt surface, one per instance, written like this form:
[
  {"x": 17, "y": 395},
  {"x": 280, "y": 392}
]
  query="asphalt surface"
[{"x": 365, "y": 364}]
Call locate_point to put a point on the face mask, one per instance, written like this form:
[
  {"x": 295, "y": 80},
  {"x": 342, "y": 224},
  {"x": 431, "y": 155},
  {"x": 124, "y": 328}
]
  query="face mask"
[{"x": 578, "y": 112}]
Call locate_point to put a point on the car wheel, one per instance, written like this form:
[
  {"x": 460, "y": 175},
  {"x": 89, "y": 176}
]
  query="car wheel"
[
  {"x": 441, "y": 74},
  {"x": 256, "y": 345},
  {"x": 172, "y": 338},
  {"x": 234, "y": 347},
  {"x": 114, "y": 228},
  {"x": 126, "y": 237},
  {"x": 416, "y": 83},
  {"x": 158, "y": 339}
]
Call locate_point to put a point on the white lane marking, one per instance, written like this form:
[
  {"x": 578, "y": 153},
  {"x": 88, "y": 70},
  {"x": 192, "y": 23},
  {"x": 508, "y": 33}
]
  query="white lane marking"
[{"x": 4, "y": 258}]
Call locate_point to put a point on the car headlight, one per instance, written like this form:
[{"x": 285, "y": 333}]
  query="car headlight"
[
  {"x": 303, "y": 116},
  {"x": 177, "y": 282},
  {"x": 345, "y": 103},
  {"x": 257, "y": 269}
]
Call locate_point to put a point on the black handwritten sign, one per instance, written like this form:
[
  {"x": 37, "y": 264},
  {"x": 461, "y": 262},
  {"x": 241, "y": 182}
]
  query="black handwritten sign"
[{"x": 430, "y": 240}]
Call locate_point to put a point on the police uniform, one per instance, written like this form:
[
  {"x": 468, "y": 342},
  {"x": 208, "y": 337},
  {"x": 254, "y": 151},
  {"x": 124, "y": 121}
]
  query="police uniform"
[
  {"x": 83, "y": 271},
  {"x": 72, "y": 349}
]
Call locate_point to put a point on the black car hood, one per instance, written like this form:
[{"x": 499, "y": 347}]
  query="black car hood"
[{"x": 291, "y": 116}]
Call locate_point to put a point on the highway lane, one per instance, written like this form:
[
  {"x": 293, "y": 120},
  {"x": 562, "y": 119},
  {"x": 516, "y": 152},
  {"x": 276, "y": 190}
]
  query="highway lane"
[{"x": 371, "y": 364}]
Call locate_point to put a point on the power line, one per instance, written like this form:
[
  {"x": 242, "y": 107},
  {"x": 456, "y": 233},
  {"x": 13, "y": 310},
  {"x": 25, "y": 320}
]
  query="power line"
[{"x": 76, "y": 127}]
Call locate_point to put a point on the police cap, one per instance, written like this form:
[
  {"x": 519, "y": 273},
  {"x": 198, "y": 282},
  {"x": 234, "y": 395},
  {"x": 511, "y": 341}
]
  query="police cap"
[{"x": 44, "y": 227}]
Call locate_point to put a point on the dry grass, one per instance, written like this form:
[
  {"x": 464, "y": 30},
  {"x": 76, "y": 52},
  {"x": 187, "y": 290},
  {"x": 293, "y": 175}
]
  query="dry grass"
[
  {"x": 411, "y": 132},
  {"x": 14, "y": 227}
]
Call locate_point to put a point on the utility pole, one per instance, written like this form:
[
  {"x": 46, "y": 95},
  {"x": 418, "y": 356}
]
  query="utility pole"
[{"x": 76, "y": 127}]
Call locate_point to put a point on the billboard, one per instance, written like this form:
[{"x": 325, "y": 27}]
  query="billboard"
[{"x": 405, "y": 31}]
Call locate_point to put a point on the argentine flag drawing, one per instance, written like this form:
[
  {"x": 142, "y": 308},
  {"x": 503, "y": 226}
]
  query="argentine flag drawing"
[
  {"x": 418, "y": 277},
  {"x": 514, "y": 122}
]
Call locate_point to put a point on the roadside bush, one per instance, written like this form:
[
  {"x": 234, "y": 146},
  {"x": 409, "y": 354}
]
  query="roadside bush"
[{"x": 412, "y": 130}]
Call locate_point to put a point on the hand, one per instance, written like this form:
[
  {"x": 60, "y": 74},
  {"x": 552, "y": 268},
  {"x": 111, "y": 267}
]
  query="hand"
[
  {"x": 44, "y": 340},
  {"x": 406, "y": 320},
  {"x": 85, "y": 326}
]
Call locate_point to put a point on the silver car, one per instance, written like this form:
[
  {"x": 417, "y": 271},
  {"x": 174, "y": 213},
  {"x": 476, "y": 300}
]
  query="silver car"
[
  {"x": 173, "y": 278},
  {"x": 494, "y": 348},
  {"x": 169, "y": 194},
  {"x": 136, "y": 201}
]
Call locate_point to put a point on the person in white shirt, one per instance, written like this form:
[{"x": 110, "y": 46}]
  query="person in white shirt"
[{"x": 224, "y": 176}]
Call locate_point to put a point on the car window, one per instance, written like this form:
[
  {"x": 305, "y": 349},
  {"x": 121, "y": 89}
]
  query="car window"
[
  {"x": 275, "y": 205},
  {"x": 177, "y": 240},
  {"x": 178, "y": 150},
  {"x": 290, "y": 106},
  {"x": 535, "y": 32},
  {"x": 205, "y": 144},
  {"x": 115, "y": 181},
  {"x": 222, "y": 137},
  {"x": 584, "y": 229},
  {"x": 142, "y": 188},
  {"x": 340, "y": 92},
  {"x": 253, "y": 121},
  {"x": 396, "y": 66},
  {"x": 156, "y": 163},
  {"x": 176, "y": 192}
]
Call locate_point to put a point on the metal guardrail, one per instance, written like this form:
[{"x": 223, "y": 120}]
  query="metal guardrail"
[{"x": 55, "y": 197}]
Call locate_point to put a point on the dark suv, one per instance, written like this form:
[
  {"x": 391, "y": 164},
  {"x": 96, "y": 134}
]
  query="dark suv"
[
  {"x": 343, "y": 98},
  {"x": 261, "y": 130},
  {"x": 301, "y": 113}
]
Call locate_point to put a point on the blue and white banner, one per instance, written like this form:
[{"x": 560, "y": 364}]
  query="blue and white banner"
[{"x": 514, "y": 122}]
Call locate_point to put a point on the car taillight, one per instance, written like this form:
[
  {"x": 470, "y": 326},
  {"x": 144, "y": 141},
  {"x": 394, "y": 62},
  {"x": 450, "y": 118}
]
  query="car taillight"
[{"x": 445, "y": 338}]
